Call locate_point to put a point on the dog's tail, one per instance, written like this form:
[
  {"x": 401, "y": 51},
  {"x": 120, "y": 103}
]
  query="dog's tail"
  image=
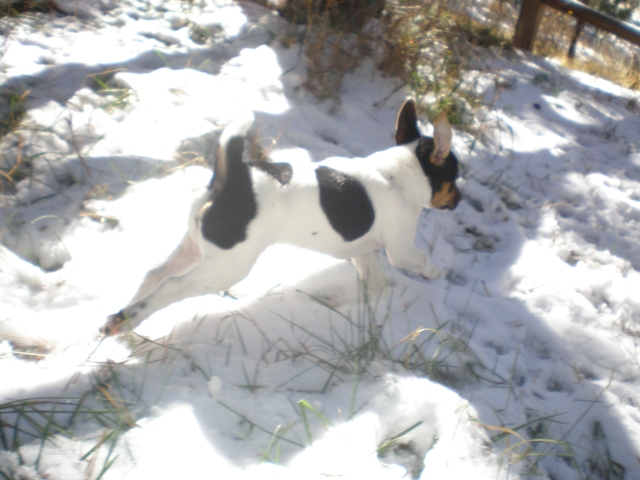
[{"x": 230, "y": 149}]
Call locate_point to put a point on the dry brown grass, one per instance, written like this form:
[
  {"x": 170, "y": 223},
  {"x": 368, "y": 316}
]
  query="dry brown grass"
[
  {"x": 334, "y": 38},
  {"x": 434, "y": 49},
  {"x": 9, "y": 8},
  {"x": 424, "y": 44},
  {"x": 331, "y": 54},
  {"x": 620, "y": 70}
]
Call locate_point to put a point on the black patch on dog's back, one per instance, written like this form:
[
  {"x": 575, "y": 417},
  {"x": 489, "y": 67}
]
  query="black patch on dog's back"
[
  {"x": 282, "y": 172},
  {"x": 226, "y": 220},
  {"x": 345, "y": 203}
]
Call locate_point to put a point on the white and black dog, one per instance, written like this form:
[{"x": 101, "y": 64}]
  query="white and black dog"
[{"x": 344, "y": 207}]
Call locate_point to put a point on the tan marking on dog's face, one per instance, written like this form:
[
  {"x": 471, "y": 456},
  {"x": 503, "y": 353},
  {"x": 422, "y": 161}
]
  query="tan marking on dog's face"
[{"x": 447, "y": 197}]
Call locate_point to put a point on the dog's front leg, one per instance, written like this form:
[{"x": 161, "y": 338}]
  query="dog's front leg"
[
  {"x": 412, "y": 258},
  {"x": 370, "y": 272}
]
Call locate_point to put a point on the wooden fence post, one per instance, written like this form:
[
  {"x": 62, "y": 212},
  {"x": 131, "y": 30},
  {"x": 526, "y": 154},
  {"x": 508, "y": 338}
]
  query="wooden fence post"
[
  {"x": 626, "y": 31},
  {"x": 531, "y": 13},
  {"x": 527, "y": 26}
]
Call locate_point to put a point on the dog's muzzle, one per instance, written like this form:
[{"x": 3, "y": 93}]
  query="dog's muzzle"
[
  {"x": 455, "y": 200},
  {"x": 447, "y": 198}
]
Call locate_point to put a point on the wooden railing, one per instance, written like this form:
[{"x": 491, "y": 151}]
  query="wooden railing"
[{"x": 531, "y": 13}]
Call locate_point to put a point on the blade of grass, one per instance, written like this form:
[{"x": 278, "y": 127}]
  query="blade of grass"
[
  {"x": 387, "y": 444},
  {"x": 306, "y": 406},
  {"x": 254, "y": 424}
]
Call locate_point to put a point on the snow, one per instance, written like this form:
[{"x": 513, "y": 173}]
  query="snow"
[{"x": 522, "y": 361}]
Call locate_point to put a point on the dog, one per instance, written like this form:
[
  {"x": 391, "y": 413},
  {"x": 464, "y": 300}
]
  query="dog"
[{"x": 343, "y": 207}]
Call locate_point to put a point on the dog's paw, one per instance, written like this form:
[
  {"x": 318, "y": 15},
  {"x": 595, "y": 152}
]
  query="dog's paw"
[
  {"x": 431, "y": 273},
  {"x": 114, "y": 322}
]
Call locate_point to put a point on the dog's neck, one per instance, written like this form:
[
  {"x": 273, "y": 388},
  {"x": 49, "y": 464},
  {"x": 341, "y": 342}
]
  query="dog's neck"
[{"x": 400, "y": 165}]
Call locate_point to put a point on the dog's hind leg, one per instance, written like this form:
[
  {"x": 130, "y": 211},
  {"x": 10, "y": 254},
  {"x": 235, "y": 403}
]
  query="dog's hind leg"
[
  {"x": 181, "y": 261},
  {"x": 218, "y": 271}
]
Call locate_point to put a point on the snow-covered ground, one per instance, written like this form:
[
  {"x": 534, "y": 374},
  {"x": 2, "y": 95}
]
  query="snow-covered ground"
[{"x": 522, "y": 361}]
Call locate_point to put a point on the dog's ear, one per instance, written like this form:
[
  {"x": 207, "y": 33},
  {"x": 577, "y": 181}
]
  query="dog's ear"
[
  {"x": 442, "y": 136},
  {"x": 407, "y": 124}
]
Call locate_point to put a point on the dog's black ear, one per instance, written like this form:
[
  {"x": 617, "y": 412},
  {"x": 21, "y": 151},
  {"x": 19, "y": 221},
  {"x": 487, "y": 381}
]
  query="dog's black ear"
[{"x": 407, "y": 124}]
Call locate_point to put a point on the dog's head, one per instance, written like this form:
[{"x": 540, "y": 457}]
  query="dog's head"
[{"x": 438, "y": 163}]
